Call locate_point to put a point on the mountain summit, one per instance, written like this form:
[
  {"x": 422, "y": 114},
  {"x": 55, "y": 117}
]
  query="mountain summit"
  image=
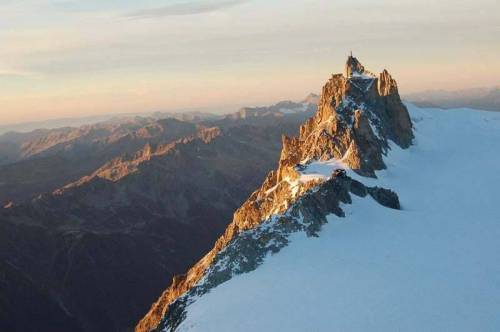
[{"x": 358, "y": 114}]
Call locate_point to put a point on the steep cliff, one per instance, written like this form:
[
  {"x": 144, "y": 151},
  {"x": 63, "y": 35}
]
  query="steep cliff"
[{"x": 357, "y": 116}]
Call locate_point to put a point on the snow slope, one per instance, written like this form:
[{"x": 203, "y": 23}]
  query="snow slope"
[{"x": 433, "y": 266}]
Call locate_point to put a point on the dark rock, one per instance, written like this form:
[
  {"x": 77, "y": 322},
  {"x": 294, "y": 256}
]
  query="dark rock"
[
  {"x": 385, "y": 197},
  {"x": 358, "y": 189}
]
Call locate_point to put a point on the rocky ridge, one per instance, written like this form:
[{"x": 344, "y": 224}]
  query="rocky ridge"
[
  {"x": 358, "y": 113},
  {"x": 122, "y": 166},
  {"x": 44, "y": 160},
  {"x": 277, "y": 110}
]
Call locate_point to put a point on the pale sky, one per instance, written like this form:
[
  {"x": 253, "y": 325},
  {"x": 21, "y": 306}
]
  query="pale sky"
[{"x": 65, "y": 58}]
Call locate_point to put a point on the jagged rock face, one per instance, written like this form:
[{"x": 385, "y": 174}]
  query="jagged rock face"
[
  {"x": 398, "y": 114},
  {"x": 248, "y": 250},
  {"x": 311, "y": 98},
  {"x": 357, "y": 115}
]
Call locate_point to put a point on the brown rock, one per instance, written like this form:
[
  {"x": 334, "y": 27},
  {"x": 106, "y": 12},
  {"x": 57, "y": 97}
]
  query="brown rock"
[{"x": 340, "y": 129}]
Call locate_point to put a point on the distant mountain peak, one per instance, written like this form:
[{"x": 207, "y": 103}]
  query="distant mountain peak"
[
  {"x": 311, "y": 98},
  {"x": 485, "y": 98},
  {"x": 277, "y": 110}
]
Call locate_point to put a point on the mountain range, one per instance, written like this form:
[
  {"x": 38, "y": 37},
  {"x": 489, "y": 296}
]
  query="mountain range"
[
  {"x": 46, "y": 159},
  {"x": 477, "y": 98},
  {"x": 99, "y": 218}
]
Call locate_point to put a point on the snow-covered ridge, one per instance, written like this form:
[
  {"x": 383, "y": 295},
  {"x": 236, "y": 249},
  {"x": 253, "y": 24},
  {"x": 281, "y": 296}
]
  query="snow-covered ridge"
[
  {"x": 342, "y": 129},
  {"x": 249, "y": 248},
  {"x": 431, "y": 266}
]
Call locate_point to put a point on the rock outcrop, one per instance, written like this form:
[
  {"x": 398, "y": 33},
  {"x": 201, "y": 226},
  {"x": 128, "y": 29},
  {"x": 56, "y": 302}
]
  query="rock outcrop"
[{"x": 357, "y": 116}]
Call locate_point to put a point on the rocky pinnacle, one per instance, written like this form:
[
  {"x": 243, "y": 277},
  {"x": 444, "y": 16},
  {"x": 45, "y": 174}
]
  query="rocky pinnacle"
[{"x": 358, "y": 114}]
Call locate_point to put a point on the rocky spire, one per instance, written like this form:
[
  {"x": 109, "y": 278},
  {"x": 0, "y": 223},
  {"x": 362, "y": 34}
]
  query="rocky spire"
[
  {"x": 358, "y": 114},
  {"x": 356, "y": 117}
]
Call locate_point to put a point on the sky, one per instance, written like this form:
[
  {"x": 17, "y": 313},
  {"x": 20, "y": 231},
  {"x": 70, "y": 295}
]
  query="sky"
[{"x": 69, "y": 58}]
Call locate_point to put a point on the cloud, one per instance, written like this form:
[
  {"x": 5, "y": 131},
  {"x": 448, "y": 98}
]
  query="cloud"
[
  {"x": 184, "y": 8},
  {"x": 14, "y": 73}
]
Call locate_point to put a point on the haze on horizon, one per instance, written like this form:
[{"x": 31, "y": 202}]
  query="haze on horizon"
[{"x": 68, "y": 58}]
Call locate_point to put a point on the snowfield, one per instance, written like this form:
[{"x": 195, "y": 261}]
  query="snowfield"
[{"x": 433, "y": 266}]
